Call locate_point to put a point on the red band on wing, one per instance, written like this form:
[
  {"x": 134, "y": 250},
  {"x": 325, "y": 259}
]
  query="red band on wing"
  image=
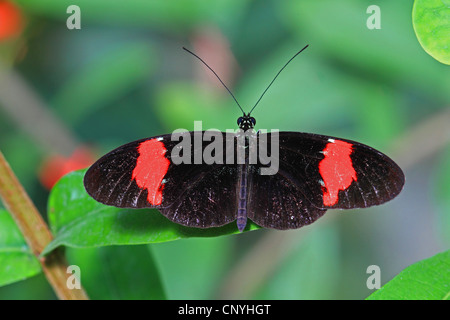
[
  {"x": 336, "y": 170},
  {"x": 151, "y": 167}
]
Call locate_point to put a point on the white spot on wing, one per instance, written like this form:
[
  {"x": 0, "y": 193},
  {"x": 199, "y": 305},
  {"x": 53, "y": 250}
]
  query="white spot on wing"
[{"x": 331, "y": 140}]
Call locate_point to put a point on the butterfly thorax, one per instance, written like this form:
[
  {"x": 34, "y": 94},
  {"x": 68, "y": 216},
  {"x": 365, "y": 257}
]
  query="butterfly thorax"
[{"x": 246, "y": 122}]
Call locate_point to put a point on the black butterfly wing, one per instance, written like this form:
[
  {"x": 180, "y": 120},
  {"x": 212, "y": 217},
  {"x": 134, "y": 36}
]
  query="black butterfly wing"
[
  {"x": 317, "y": 173},
  {"x": 145, "y": 174},
  {"x": 110, "y": 179},
  {"x": 209, "y": 199},
  {"x": 278, "y": 203},
  {"x": 340, "y": 173}
]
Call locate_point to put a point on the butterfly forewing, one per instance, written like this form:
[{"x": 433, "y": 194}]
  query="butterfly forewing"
[
  {"x": 109, "y": 180},
  {"x": 143, "y": 174},
  {"x": 337, "y": 173}
]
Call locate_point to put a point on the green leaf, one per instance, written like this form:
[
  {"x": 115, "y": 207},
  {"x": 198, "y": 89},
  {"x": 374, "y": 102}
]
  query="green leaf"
[
  {"x": 17, "y": 262},
  {"x": 79, "y": 221},
  {"x": 428, "y": 279},
  {"x": 431, "y": 21},
  {"x": 118, "y": 272}
]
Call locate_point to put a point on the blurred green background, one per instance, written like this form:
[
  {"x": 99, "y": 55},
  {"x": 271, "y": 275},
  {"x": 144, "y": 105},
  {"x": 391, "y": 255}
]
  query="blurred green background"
[{"x": 123, "y": 76}]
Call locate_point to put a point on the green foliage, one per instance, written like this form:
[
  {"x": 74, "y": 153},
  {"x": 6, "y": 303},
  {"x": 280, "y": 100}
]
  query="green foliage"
[
  {"x": 431, "y": 21},
  {"x": 17, "y": 262},
  {"x": 123, "y": 76},
  {"x": 428, "y": 279},
  {"x": 79, "y": 221}
]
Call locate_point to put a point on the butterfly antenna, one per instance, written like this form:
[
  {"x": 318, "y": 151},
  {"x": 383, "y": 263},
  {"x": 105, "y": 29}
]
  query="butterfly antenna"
[
  {"x": 276, "y": 77},
  {"x": 216, "y": 76}
]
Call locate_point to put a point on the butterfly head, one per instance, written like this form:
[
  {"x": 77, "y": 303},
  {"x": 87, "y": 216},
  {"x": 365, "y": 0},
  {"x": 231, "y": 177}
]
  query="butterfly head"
[{"x": 246, "y": 122}]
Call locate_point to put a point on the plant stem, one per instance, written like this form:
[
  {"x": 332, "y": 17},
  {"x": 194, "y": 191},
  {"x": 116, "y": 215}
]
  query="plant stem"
[{"x": 36, "y": 233}]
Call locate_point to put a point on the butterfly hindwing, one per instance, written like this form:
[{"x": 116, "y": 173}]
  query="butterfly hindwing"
[
  {"x": 209, "y": 199},
  {"x": 278, "y": 204}
]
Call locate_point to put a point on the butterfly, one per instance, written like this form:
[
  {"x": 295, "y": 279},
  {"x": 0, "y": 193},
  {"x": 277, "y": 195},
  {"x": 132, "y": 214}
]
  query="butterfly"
[{"x": 312, "y": 173}]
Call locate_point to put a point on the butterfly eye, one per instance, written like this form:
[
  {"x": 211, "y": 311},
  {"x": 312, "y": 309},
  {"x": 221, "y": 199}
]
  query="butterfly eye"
[
  {"x": 239, "y": 120},
  {"x": 253, "y": 120}
]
